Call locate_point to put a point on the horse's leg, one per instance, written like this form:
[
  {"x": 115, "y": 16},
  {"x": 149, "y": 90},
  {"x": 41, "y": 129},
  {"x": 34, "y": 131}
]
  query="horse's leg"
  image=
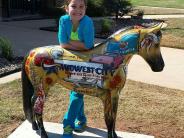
[
  {"x": 38, "y": 103},
  {"x": 110, "y": 112},
  {"x": 114, "y": 111},
  {"x": 34, "y": 124}
]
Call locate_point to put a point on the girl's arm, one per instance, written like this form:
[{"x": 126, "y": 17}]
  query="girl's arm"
[{"x": 74, "y": 45}]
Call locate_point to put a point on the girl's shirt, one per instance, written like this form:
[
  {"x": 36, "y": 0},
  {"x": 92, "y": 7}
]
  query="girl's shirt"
[
  {"x": 74, "y": 36},
  {"x": 85, "y": 31}
]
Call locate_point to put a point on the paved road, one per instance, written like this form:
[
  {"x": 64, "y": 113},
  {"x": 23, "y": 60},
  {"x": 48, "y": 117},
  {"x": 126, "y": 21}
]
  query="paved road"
[{"x": 25, "y": 35}]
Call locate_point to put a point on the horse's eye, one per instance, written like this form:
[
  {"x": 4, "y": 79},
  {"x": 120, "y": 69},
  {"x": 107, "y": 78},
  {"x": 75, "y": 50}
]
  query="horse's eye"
[{"x": 157, "y": 45}]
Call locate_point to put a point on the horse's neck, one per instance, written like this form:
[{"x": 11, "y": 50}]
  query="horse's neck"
[{"x": 127, "y": 59}]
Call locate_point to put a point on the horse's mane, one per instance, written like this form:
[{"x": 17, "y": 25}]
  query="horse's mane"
[
  {"x": 117, "y": 32},
  {"x": 122, "y": 30}
]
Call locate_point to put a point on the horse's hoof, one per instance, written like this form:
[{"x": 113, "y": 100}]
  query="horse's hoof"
[
  {"x": 112, "y": 135},
  {"x": 35, "y": 126},
  {"x": 115, "y": 135},
  {"x": 44, "y": 134}
]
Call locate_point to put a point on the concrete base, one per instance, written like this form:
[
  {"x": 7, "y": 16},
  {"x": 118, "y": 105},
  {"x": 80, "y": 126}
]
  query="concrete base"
[{"x": 54, "y": 130}]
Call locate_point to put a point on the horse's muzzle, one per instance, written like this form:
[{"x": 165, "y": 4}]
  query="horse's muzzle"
[{"x": 157, "y": 66}]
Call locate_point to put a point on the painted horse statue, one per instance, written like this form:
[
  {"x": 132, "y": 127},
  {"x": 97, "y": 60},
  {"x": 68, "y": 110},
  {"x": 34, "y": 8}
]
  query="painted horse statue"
[{"x": 99, "y": 72}]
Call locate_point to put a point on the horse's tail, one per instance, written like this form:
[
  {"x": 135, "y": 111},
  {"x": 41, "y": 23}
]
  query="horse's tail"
[{"x": 27, "y": 93}]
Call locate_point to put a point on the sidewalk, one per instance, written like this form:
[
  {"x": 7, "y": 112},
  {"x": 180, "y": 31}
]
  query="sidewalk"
[
  {"x": 170, "y": 77},
  {"x": 54, "y": 131},
  {"x": 160, "y": 16}
]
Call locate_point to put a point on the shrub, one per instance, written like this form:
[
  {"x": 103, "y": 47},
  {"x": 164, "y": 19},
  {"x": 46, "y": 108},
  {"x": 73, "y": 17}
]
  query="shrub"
[
  {"x": 95, "y": 8},
  {"x": 6, "y": 48},
  {"x": 118, "y": 7},
  {"x": 140, "y": 13},
  {"x": 106, "y": 26}
]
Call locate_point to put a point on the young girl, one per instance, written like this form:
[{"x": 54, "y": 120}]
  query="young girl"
[{"x": 76, "y": 32}]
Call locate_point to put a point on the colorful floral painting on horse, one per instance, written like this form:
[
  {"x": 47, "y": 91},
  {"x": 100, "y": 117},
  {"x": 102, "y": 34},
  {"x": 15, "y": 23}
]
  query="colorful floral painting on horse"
[{"x": 99, "y": 72}]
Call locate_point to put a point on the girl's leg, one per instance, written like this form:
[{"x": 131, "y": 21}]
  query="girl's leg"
[
  {"x": 80, "y": 121},
  {"x": 76, "y": 101},
  {"x": 81, "y": 116}
]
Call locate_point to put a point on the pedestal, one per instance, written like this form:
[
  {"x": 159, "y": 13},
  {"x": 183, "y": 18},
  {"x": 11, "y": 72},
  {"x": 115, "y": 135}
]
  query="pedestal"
[{"x": 55, "y": 130}]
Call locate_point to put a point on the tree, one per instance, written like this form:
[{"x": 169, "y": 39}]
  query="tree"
[
  {"x": 118, "y": 7},
  {"x": 95, "y": 8}
]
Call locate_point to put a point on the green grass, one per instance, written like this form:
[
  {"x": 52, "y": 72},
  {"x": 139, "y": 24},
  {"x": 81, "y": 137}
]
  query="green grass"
[
  {"x": 175, "y": 31},
  {"x": 159, "y": 3},
  {"x": 10, "y": 102},
  {"x": 173, "y": 34},
  {"x": 175, "y": 27}
]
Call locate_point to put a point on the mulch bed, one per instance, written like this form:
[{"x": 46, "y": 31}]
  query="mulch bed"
[{"x": 10, "y": 66}]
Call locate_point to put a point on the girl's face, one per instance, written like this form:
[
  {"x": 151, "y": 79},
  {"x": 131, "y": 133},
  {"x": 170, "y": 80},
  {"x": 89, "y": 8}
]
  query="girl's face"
[{"x": 76, "y": 9}]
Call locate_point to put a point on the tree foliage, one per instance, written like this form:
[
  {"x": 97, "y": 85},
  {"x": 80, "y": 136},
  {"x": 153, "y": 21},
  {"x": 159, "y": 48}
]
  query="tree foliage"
[
  {"x": 118, "y": 7},
  {"x": 96, "y": 8},
  {"x": 6, "y": 48}
]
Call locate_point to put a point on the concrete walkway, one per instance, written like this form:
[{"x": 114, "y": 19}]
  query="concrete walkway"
[
  {"x": 54, "y": 130},
  {"x": 170, "y": 77},
  {"x": 160, "y": 16}
]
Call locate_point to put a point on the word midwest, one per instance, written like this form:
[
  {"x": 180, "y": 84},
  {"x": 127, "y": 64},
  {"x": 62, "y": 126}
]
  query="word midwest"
[{"x": 94, "y": 69}]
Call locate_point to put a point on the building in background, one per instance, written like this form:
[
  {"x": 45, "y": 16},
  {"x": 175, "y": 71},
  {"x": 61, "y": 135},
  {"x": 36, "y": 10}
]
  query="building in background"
[{"x": 9, "y": 8}]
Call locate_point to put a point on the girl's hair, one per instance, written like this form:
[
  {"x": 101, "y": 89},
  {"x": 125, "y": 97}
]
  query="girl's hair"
[{"x": 67, "y": 2}]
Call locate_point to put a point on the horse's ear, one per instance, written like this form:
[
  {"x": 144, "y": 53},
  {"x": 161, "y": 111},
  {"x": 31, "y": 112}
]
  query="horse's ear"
[
  {"x": 157, "y": 27},
  {"x": 164, "y": 25}
]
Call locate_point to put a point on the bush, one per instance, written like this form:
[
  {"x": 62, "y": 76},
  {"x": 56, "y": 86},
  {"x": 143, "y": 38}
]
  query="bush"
[
  {"x": 106, "y": 26},
  {"x": 95, "y": 8},
  {"x": 118, "y": 7},
  {"x": 140, "y": 13},
  {"x": 6, "y": 48}
]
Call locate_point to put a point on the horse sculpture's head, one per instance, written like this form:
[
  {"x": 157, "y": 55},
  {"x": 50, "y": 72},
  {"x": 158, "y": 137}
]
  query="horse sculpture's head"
[
  {"x": 149, "y": 47},
  {"x": 139, "y": 40}
]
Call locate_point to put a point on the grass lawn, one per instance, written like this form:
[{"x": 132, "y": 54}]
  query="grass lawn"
[
  {"x": 143, "y": 108},
  {"x": 159, "y": 3},
  {"x": 173, "y": 34}
]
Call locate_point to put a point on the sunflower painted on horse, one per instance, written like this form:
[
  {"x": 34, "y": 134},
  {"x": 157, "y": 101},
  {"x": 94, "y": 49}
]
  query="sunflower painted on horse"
[{"x": 99, "y": 72}]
